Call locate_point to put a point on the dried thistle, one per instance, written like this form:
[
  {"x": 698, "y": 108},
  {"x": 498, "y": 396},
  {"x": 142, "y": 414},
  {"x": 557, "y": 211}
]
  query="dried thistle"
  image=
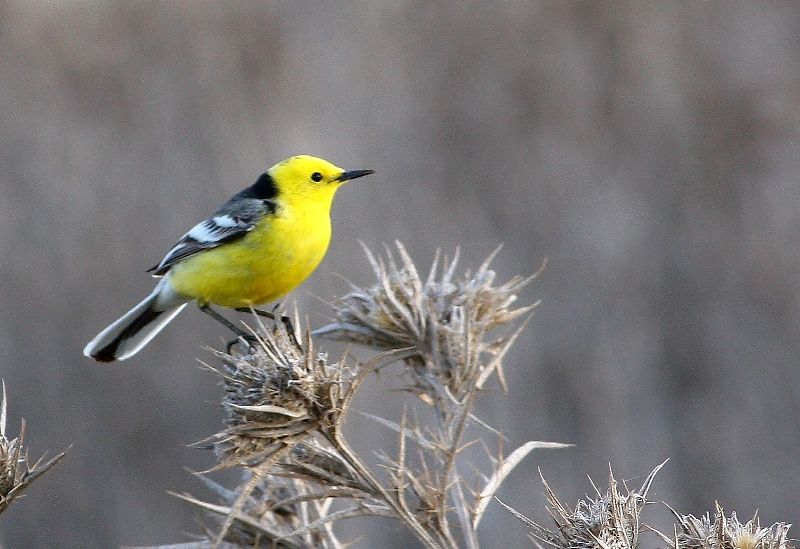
[
  {"x": 16, "y": 472},
  {"x": 725, "y": 533},
  {"x": 609, "y": 521},
  {"x": 285, "y": 408},
  {"x": 278, "y": 394},
  {"x": 286, "y": 405},
  {"x": 278, "y": 397},
  {"x": 272, "y": 515},
  {"x": 445, "y": 319}
]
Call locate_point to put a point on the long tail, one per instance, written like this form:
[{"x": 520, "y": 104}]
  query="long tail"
[{"x": 125, "y": 337}]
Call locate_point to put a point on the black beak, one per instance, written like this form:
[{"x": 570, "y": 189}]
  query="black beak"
[{"x": 353, "y": 174}]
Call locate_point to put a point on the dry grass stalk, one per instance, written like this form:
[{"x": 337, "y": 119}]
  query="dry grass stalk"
[
  {"x": 16, "y": 472},
  {"x": 286, "y": 406}
]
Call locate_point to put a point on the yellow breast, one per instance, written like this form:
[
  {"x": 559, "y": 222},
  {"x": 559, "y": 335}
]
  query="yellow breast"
[{"x": 264, "y": 265}]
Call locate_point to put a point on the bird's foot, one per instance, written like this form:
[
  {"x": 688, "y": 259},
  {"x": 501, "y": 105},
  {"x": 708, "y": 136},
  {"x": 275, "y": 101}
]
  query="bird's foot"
[
  {"x": 241, "y": 335},
  {"x": 287, "y": 322},
  {"x": 249, "y": 339}
]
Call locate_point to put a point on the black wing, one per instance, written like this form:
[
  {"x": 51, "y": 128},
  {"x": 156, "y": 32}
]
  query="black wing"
[{"x": 234, "y": 220}]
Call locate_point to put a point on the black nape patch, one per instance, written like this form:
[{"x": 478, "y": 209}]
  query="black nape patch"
[{"x": 264, "y": 188}]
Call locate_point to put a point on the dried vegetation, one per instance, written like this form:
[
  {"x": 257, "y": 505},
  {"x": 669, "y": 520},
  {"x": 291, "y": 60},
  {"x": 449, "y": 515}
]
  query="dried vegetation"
[
  {"x": 16, "y": 470},
  {"x": 286, "y": 405}
]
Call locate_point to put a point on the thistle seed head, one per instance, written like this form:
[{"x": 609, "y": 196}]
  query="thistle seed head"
[
  {"x": 723, "y": 532},
  {"x": 610, "y": 520},
  {"x": 278, "y": 393},
  {"x": 445, "y": 320}
]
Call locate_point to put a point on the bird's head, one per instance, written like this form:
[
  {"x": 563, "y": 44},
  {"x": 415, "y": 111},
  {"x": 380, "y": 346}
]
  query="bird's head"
[{"x": 311, "y": 177}]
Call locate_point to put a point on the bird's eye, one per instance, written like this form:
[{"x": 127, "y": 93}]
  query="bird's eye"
[{"x": 316, "y": 177}]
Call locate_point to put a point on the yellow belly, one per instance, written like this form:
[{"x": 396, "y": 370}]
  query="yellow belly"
[{"x": 266, "y": 264}]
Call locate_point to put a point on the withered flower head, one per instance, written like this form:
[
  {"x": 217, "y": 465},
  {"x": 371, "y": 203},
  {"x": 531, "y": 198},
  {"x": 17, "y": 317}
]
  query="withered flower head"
[
  {"x": 277, "y": 394},
  {"x": 444, "y": 319},
  {"x": 726, "y": 532},
  {"x": 611, "y": 520},
  {"x": 16, "y": 472}
]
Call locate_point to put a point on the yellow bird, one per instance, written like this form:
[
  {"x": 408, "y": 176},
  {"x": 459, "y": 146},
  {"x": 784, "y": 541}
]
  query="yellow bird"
[{"x": 260, "y": 245}]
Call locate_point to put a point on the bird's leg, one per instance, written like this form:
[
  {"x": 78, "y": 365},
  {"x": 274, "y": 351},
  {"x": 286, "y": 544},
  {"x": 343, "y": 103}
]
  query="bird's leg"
[
  {"x": 240, "y": 334},
  {"x": 271, "y": 315},
  {"x": 222, "y": 320}
]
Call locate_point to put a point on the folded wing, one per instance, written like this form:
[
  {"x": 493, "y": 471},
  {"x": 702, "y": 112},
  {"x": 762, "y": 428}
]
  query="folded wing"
[{"x": 234, "y": 220}]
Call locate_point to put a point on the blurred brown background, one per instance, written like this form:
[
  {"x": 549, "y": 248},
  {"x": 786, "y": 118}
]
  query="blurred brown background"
[{"x": 649, "y": 150}]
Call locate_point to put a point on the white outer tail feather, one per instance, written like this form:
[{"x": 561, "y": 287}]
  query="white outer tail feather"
[{"x": 133, "y": 343}]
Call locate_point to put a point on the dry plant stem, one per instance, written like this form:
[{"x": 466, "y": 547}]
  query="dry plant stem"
[
  {"x": 394, "y": 502},
  {"x": 336, "y": 437},
  {"x": 450, "y": 476},
  {"x": 257, "y": 475},
  {"x": 237, "y": 515}
]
